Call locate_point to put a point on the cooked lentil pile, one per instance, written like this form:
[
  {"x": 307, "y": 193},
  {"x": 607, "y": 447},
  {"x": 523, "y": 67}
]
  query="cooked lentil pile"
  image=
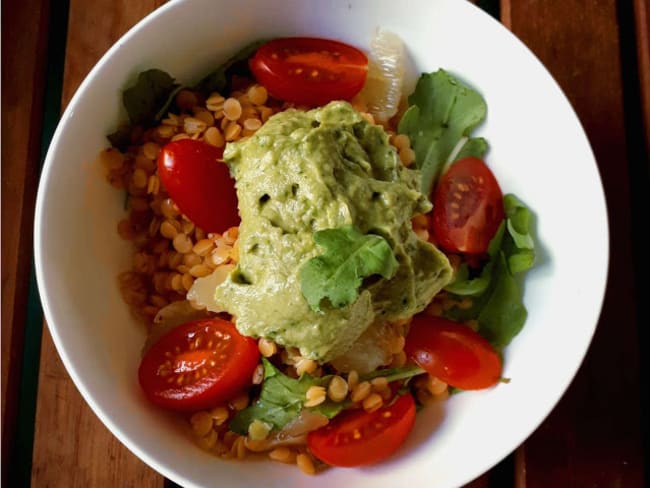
[{"x": 170, "y": 252}]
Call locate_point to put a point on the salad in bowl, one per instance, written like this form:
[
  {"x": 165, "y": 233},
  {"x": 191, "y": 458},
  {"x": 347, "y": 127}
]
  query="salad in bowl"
[{"x": 316, "y": 253}]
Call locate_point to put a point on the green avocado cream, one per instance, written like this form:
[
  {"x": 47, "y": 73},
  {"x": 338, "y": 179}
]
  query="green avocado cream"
[{"x": 308, "y": 171}]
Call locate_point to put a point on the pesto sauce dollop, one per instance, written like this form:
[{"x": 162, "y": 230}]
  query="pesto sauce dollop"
[{"x": 308, "y": 171}]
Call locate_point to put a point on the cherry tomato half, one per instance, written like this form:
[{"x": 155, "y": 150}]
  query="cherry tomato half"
[
  {"x": 467, "y": 207},
  {"x": 198, "y": 365},
  {"x": 199, "y": 183},
  {"x": 310, "y": 71},
  {"x": 453, "y": 353},
  {"x": 358, "y": 438}
]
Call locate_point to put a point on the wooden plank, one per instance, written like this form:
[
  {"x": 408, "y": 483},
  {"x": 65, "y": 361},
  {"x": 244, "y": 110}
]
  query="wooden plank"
[
  {"x": 592, "y": 438},
  {"x": 72, "y": 447},
  {"x": 480, "y": 482},
  {"x": 642, "y": 18},
  {"x": 23, "y": 68}
]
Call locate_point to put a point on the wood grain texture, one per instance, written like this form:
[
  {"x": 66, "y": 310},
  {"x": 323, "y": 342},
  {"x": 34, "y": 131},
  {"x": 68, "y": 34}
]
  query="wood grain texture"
[
  {"x": 642, "y": 18},
  {"x": 93, "y": 28},
  {"x": 23, "y": 68},
  {"x": 480, "y": 482},
  {"x": 592, "y": 438},
  {"x": 72, "y": 448}
]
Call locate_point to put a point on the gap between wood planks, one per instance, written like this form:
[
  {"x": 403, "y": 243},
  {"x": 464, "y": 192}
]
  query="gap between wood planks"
[{"x": 23, "y": 82}]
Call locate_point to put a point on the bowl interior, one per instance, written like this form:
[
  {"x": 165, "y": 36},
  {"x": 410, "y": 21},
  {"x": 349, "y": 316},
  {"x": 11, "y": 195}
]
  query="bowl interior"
[{"x": 534, "y": 136}]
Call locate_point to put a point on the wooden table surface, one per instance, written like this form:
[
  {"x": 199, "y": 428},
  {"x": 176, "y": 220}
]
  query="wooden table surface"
[{"x": 598, "y": 51}]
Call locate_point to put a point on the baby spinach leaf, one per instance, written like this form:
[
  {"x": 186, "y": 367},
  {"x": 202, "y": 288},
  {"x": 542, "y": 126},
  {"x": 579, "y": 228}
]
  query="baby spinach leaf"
[
  {"x": 146, "y": 102},
  {"x": 441, "y": 112},
  {"x": 121, "y": 138},
  {"x": 217, "y": 81},
  {"x": 281, "y": 400},
  {"x": 349, "y": 257},
  {"x": 148, "y": 95}
]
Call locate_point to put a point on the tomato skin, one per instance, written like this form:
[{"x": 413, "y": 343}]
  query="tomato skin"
[
  {"x": 310, "y": 71},
  {"x": 199, "y": 183},
  {"x": 453, "y": 353},
  {"x": 467, "y": 207},
  {"x": 381, "y": 433},
  {"x": 214, "y": 372}
]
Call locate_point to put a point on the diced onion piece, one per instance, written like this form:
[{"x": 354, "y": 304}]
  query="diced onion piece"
[
  {"x": 293, "y": 434},
  {"x": 371, "y": 350},
  {"x": 171, "y": 316},
  {"x": 202, "y": 291},
  {"x": 383, "y": 89}
]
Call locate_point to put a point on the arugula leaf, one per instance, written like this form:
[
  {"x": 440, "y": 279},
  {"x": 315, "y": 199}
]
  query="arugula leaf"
[
  {"x": 497, "y": 296},
  {"x": 121, "y": 138},
  {"x": 441, "y": 112},
  {"x": 475, "y": 146},
  {"x": 151, "y": 91},
  {"x": 349, "y": 257},
  {"x": 464, "y": 285},
  {"x": 164, "y": 109},
  {"x": 394, "y": 374},
  {"x": 281, "y": 401},
  {"x": 146, "y": 102},
  {"x": 521, "y": 251},
  {"x": 504, "y": 313},
  {"x": 218, "y": 80}
]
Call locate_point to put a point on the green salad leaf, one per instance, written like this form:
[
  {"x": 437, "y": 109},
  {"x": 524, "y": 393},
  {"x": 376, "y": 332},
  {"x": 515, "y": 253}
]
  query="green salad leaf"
[
  {"x": 496, "y": 294},
  {"x": 151, "y": 97},
  {"x": 349, "y": 257},
  {"x": 147, "y": 96},
  {"x": 465, "y": 285},
  {"x": 503, "y": 315},
  {"x": 475, "y": 146},
  {"x": 281, "y": 400},
  {"x": 218, "y": 80},
  {"x": 394, "y": 374},
  {"x": 121, "y": 138},
  {"x": 521, "y": 250},
  {"x": 146, "y": 102},
  {"x": 442, "y": 112}
]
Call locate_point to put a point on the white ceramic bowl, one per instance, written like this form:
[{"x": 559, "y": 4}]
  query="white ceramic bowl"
[{"x": 538, "y": 150}]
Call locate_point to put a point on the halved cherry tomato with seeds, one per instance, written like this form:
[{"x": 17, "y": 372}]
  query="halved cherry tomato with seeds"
[
  {"x": 358, "y": 438},
  {"x": 467, "y": 207},
  {"x": 199, "y": 182},
  {"x": 310, "y": 71},
  {"x": 198, "y": 365},
  {"x": 453, "y": 353}
]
